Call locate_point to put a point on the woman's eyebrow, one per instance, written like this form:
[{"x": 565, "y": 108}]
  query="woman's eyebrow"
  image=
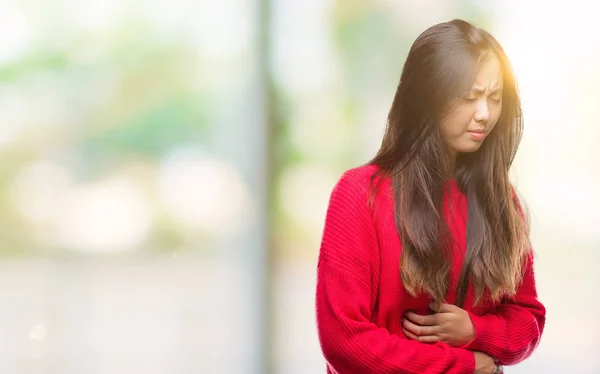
[{"x": 481, "y": 90}]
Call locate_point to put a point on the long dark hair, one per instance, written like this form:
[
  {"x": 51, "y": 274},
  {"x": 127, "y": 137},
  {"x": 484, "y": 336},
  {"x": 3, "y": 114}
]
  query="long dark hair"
[{"x": 441, "y": 65}]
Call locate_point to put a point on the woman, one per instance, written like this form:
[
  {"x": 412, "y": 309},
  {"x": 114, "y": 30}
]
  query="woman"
[{"x": 406, "y": 282}]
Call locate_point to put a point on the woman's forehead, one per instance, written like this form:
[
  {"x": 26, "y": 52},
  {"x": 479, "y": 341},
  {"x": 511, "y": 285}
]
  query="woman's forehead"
[{"x": 489, "y": 76}]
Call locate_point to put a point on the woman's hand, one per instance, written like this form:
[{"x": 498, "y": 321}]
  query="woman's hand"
[
  {"x": 450, "y": 324},
  {"x": 484, "y": 364}
]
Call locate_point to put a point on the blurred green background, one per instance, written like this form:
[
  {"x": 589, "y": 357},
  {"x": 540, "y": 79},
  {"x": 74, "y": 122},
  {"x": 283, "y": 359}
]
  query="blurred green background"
[{"x": 165, "y": 169}]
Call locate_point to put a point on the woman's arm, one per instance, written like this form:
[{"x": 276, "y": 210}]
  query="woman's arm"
[
  {"x": 513, "y": 330},
  {"x": 351, "y": 343},
  {"x": 510, "y": 333}
]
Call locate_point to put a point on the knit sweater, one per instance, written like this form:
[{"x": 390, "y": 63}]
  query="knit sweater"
[{"x": 360, "y": 298}]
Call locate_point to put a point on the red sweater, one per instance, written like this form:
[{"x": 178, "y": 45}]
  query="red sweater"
[{"x": 360, "y": 299}]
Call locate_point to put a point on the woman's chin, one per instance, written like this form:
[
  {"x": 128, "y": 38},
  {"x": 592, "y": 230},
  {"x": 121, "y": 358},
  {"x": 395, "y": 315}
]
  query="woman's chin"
[{"x": 468, "y": 148}]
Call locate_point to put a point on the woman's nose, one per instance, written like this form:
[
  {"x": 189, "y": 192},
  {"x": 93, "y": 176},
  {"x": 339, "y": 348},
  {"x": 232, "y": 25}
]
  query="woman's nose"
[{"x": 483, "y": 113}]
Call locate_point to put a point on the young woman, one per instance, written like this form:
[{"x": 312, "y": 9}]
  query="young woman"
[{"x": 425, "y": 264}]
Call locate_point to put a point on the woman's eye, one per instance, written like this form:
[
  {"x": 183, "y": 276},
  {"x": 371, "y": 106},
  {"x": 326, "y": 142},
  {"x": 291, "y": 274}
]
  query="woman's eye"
[
  {"x": 495, "y": 99},
  {"x": 470, "y": 100}
]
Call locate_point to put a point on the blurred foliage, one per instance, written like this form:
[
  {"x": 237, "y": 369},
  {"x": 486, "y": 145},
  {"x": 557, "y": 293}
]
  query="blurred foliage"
[
  {"x": 133, "y": 94},
  {"x": 130, "y": 95}
]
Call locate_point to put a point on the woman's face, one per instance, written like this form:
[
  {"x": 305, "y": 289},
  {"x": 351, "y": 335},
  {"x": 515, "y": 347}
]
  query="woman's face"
[{"x": 469, "y": 122}]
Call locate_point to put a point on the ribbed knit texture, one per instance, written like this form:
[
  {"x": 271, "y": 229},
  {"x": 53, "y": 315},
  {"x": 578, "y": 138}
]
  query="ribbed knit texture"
[{"x": 360, "y": 299}]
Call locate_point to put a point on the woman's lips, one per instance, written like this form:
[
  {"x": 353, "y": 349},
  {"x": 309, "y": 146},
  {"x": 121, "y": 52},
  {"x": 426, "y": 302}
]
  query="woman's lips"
[{"x": 477, "y": 134}]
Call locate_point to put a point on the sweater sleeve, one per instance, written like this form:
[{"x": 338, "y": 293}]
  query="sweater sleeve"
[
  {"x": 513, "y": 330},
  {"x": 350, "y": 342}
]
